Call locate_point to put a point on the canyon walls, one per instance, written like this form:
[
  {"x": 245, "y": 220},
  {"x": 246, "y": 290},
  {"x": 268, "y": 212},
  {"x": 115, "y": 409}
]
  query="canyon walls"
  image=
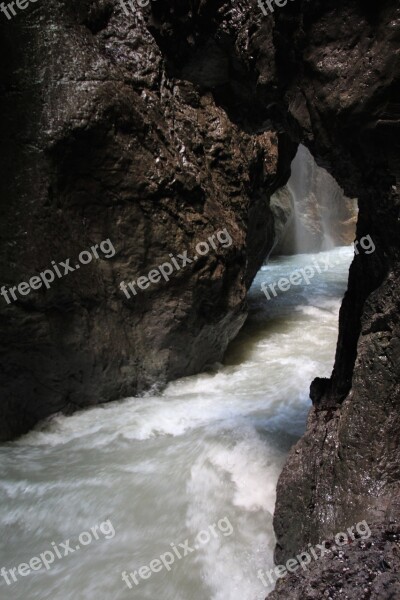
[
  {"x": 159, "y": 129},
  {"x": 327, "y": 73}
]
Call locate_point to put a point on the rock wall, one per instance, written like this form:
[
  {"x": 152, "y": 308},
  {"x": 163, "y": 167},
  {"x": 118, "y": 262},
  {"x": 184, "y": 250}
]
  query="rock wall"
[
  {"x": 101, "y": 141},
  {"x": 365, "y": 569},
  {"x": 346, "y": 467}
]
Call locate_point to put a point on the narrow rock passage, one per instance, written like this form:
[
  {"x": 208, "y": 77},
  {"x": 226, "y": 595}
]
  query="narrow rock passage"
[{"x": 208, "y": 451}]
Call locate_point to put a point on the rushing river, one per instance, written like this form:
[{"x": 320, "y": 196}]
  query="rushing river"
[{"x": 161, "y": 469}]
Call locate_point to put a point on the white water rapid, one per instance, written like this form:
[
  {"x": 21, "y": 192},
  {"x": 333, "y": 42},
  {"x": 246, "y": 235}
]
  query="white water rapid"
[{"x": 162, "y": 468}]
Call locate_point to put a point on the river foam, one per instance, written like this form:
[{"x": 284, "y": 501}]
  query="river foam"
[{"x": 164, "y": 467}]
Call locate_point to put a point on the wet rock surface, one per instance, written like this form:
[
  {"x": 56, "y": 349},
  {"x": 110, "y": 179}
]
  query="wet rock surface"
[
  {"x": 361, "y": 570},
  {"x": 346, "y": 467},
  {"x": 100, "y": 142}
]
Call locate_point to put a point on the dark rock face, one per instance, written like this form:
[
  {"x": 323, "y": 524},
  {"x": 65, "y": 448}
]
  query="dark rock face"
[
  {"x": 100, "y": 142},
  {"x": 346, "y": 467},
  {"x": 363, "y": 570}
]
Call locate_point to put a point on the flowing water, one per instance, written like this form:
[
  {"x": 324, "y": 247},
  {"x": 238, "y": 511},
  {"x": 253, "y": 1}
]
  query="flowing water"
[
  {"x": 162, "y": 468},
  {"x": 316, "y": 196}
]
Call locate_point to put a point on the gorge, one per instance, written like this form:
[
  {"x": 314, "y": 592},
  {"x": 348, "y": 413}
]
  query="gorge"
[
  {"x": 209, "y": 447},
  {"x": 154, "y": 132}
]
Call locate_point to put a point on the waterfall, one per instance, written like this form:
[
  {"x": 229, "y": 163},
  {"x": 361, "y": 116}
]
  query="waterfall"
[{"x": 321, "y": 216}]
